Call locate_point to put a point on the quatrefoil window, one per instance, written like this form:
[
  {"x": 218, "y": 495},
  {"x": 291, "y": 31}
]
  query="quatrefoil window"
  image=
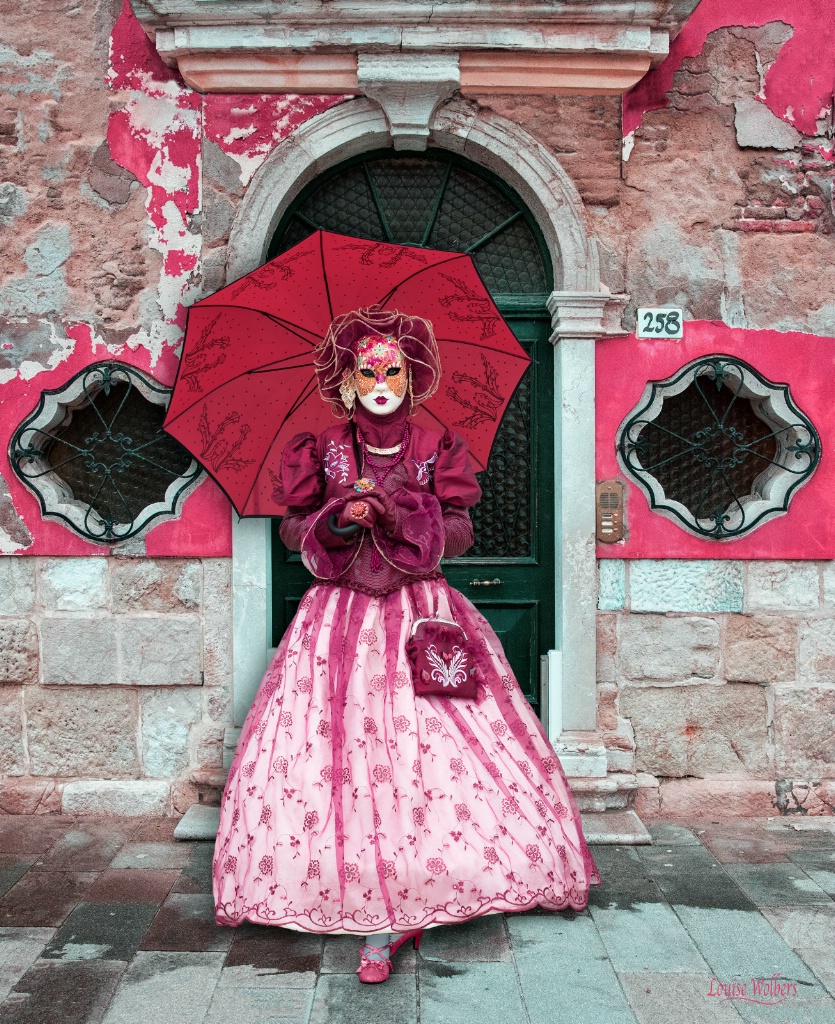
[
  {"x": 717, "y": 448},
  {"x": 96, "y": 456}
]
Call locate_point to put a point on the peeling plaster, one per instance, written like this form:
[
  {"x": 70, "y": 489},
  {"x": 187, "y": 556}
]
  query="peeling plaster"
[
  {"x": 247, "y": 128},
  {"x": 13, "y": 202},
  {"x": 44, "y": 288},
  {"x": 797, "y": 87},
  {"x": 32, "y": 74}
]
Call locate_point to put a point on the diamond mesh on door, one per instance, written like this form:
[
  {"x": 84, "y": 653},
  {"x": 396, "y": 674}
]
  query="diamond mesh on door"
[
  {"x": 505, "y": 263},
  {"x": 502, "y": 519},
  {"x": 408, "y": 191},
  {"x": 345, "y": 204},
  {"x": 414, "y": 194}
]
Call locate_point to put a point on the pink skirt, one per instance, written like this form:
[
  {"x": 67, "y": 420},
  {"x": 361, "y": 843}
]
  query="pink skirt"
[{"x": 354, "y": 806}]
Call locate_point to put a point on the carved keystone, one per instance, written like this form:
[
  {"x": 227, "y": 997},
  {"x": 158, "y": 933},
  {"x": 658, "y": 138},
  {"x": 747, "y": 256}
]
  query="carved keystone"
[{"x": 409, "y": 87}]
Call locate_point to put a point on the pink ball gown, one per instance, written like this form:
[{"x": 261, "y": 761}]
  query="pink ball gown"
[{"x": 353, "y": 805}]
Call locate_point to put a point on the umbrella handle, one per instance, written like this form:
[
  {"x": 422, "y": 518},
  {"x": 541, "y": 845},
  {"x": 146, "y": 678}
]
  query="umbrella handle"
[{"x": 342, "y": 531}]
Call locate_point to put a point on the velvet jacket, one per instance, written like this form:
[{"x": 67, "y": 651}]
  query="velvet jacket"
[{"x": 432, "y": 488}]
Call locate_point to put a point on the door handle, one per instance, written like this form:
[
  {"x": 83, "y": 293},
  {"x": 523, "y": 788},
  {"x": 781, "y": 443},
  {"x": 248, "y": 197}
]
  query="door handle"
[{"x": 486, "y": 583}]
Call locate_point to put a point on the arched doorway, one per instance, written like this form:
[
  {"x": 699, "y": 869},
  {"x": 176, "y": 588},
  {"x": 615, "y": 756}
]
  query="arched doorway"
[{"x": 440, "y": 200}]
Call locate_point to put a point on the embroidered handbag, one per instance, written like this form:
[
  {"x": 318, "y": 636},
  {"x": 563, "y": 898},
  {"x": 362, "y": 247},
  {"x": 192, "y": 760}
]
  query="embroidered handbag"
[{"x": 442, "y": 660}]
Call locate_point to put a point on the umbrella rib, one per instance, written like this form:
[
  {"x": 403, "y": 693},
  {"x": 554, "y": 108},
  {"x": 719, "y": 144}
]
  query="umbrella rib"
[
  {"x": 325, "y": 273},
  {"x": 453, "y": 256},
  {"x": 485, "y": 347},
  {"x": 255, "y": 369},
  {"x": 289, "y": 325},
  {"x": 299, "y": 401}
]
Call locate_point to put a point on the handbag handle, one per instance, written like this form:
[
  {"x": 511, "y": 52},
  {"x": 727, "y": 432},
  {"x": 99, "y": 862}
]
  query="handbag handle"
[{"x": 434, "y": 618}]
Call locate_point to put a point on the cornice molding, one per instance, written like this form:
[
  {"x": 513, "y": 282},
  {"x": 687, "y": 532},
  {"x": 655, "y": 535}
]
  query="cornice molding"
[{"x": 524, "y": 46}]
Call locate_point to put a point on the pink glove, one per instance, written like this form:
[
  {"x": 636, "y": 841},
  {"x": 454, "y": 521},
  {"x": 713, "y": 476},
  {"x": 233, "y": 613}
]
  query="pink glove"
[{"x": 385, "y": 510}]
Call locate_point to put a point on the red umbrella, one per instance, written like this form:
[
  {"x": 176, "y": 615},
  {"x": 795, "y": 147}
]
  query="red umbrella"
[{"x": 246, "y": 382}]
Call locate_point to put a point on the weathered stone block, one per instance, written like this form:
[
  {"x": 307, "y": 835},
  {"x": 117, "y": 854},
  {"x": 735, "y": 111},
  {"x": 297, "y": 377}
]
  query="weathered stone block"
[
  {"x": 156, "y": 585},
  {"x": 12, "y": 753},
  {"x": 698, "y": 730},
  {"x": 30, "y": 796},
  {"x": 18, "y": 651},
  {"x": 17, "y": 586},
  {"x": 828, "y": 574},
  {"x": 82, "y": 732},
  {"x": 687, "y": 799},
  {"x": 167, "y": 720},
  {"x": 217, "y": 588},
  {"x": 208, "y": 746},
  {"x": 217, "y": 652},
  {"x": 122, "y": 799},
  {"x": 160, "y": 652},
  {"x": 674, "y": 585},
  {"x": 74, "y": 584},
  {"x": 816, "y": 650},
  {"x": 760, "y": 648},
  {"x": 782, "y": 586},
  {"x": 671, "y": 648},
  {"x": 607, "y": 706},
  {"x": 79, "y": 651},
  {"x": 611, "y": 594},
  {"x": 804, "y": 732}
]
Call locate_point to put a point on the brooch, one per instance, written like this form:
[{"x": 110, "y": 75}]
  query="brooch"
[{"x": 363, "y": 484}]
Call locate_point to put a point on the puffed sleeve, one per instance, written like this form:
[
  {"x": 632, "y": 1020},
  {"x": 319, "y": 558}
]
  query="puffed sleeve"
[
  {"x": 416, "y": 543},
  {"x": 302, "y": 481},
  {"x": 454, "y": 480}
]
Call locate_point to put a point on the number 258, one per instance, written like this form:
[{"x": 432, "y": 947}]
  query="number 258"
[{"x": 662, "y": 323}]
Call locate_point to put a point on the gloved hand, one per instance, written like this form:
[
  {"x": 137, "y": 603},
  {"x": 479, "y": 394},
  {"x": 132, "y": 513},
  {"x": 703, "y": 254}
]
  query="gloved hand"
[
  {"x": 385, "y": 510},
  {"x": 346, "y": 516}
]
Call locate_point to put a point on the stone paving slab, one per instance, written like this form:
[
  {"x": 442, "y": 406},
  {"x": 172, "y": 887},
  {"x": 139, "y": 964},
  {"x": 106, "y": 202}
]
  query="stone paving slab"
[
  {"x": 186, "y": 922},
  {"x": 340, "y": 999},
  {"x": 470, "y": 993},
  {"x": 43, "y": 899},
  {"x": 260, "y": 1005},
  {"x": 101, "y": 931},
  {"x": 63, "y": 993},
  {"x": 19, "y": 949},
  {"x": 774, "y": 885},
  {"x": 649, "y": 938},
  {"x": 562, "y": 964},
  {"x": 676, "y": 999},
  {"x": 166, "y": 988}
]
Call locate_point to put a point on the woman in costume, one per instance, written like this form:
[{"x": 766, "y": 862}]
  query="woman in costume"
[{"x": 355, "y": 805}]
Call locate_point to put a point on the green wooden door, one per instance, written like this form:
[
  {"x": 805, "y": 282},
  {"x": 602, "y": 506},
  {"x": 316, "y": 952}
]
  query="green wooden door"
[{"x": 437, "y": 200}]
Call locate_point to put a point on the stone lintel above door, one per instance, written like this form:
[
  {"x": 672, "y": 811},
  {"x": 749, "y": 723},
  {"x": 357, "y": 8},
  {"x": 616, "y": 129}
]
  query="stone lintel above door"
[{"x": 524, "y": 46}]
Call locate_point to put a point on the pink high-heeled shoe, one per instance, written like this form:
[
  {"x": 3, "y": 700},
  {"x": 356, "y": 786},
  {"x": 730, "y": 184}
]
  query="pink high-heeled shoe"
[{"x": 372, "y": 972}]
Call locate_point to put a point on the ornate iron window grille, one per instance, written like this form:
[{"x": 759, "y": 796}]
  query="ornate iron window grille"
[
  {"x": 96, "y": 456},
  {"x": 718, "y": 448}
]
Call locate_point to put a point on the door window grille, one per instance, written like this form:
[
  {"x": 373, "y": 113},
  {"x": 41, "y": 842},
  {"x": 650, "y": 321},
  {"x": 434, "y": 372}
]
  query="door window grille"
[
  {"x": 96, "y": 456},
  {"x": 718, "y": 448}
]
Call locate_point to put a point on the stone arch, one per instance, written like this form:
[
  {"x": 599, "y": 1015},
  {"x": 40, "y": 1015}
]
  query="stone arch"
[{"x": 359, "y": 126}]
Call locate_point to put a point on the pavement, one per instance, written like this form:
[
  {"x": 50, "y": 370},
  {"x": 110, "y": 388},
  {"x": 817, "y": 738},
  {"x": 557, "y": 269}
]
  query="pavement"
[{"x": 111, "y": 922}]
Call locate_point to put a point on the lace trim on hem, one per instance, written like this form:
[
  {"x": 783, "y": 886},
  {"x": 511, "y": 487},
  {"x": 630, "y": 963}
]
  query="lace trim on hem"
[{"x": 436, "y": 916}]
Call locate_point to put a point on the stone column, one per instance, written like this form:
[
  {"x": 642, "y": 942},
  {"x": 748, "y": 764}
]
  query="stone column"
[{"x": 579, "y": 319}]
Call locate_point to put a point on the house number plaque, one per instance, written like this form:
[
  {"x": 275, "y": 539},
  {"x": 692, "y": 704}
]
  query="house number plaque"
[{"x": 660, "y": 323}]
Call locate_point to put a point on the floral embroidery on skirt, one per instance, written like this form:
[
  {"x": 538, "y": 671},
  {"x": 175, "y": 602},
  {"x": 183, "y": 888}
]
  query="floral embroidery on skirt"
[{"x": 354, "y": 806}]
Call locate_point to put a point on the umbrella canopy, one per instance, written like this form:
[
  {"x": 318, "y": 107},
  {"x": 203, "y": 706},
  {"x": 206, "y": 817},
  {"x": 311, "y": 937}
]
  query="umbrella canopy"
[{"x": 246, "y": 382}]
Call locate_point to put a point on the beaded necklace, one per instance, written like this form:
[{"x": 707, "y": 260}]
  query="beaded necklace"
[{"x": 381, "y": 473}]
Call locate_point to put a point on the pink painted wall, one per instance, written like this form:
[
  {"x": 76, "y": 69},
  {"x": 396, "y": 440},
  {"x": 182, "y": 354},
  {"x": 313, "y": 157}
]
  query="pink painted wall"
[
  {"x": 807, "y": 362},
  {"x": 799, "y": 85}
]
